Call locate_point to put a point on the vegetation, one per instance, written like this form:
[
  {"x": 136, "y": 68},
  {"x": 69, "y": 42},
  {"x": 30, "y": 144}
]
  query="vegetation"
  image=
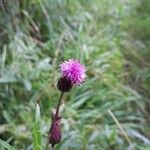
[{"x": 110, "y": 37}]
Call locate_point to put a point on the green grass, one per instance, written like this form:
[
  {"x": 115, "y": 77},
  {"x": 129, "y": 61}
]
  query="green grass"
[{"x": 110, "y": 37}]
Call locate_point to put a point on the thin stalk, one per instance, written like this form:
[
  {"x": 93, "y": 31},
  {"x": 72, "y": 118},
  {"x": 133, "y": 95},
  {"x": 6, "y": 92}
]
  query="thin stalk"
[
  {"x": 55, "y": 116},
  {"x": 58, "y": 106},
  {"x": 121, "y": 129}
]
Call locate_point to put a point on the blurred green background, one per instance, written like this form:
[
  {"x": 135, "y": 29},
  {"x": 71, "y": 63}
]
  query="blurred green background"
[{"x": 111, "y": 37}]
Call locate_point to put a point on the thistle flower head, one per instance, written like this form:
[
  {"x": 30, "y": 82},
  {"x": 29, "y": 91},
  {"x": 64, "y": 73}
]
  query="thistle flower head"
[{"x": 73, "y": 71}]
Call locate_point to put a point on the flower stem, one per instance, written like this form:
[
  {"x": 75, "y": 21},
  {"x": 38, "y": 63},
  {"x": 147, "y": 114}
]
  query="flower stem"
[
  {"x": 55, "y": 116},
  {"x": 58, "y": 106}
]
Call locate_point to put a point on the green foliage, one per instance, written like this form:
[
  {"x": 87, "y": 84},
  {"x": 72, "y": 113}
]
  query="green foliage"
[
  {"x": 37, "y": 142},
  {"x": 110, "y": 37},
  {"x": 5, "y": 145}
]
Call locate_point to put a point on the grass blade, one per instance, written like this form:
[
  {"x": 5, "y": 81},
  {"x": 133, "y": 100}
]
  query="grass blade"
[{"x": 37, "y": 140}]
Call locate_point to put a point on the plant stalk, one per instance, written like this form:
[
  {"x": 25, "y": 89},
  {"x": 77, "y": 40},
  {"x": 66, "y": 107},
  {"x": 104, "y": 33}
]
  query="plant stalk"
[
  {"x": 58, "y": 106},
  {"x": 55, "y": 116}
]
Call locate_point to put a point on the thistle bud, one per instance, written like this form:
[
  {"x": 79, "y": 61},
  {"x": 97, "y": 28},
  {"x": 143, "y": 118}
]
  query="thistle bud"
[{"x": 55, "y": 131}]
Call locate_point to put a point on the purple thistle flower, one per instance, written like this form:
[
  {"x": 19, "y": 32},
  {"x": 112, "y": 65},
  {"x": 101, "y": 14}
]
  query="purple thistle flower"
[{"x": 73, "y": 71}]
